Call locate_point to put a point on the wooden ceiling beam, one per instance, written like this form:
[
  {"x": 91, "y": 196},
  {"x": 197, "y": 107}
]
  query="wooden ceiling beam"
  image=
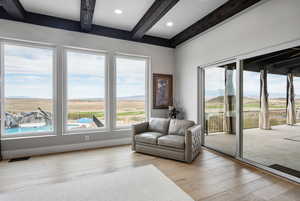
[
  {"x": 158, "y": 9},
  {"x": 222, "y": 13},
  {"x": 14, "y": 8},
  {"x": 86, "y": 14},
  {"x": 71, "y": 25}
]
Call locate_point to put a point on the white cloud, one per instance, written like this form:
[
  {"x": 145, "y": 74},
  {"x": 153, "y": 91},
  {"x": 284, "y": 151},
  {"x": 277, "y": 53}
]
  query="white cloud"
[
  {"x": 27, "y": 60},
  {"x": 29, "y": 71},
  {"x": 85, "y": 64},
  {"x": 28, "y": 90}
]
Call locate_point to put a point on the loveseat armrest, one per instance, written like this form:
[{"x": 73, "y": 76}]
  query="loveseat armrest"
[
  {"x": 192, "y": 142},
  {"x": 137, "y": 129},
  {"x": 140, "y": 128}
]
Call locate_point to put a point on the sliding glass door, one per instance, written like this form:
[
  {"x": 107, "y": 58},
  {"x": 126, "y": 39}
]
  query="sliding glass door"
[
  {"x": 250, "y": 109},
  {"x": 219, "y": 107},
  {"x": 271, "y": 88}
]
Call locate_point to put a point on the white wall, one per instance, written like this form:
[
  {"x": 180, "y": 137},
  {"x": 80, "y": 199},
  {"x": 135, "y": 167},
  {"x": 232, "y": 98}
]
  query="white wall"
[
  {"x": 269, "y": 23},
  {"x": 162, "y": 61}
]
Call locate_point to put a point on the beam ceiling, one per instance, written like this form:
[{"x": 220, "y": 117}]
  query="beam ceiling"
[
  {"x": 86, "y": 14},
  {"x": 227, "y": 10},
  {"x": 15, "y": 11},
  {"x": 158, "y": 9},
  {"x": 14, "y": 8}
]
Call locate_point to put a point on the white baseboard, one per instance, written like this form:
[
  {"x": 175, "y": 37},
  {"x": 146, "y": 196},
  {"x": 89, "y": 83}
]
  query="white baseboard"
[{"x": 63, "y": 148}]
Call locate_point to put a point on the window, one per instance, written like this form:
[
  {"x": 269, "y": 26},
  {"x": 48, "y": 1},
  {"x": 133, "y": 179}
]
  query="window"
[
  {"x": 28, "y": 89},
  {"x": 87, "y": 99},
  {"x": 131, "y": 90},
  {"x": 85, "y": 90}
]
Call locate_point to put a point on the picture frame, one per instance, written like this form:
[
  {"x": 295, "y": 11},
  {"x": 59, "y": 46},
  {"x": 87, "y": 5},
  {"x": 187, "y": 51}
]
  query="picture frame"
[{"x": 162, "y": 91}]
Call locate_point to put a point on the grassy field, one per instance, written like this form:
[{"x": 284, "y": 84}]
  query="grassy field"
[
  {"x": 249, "y": 104},
  {"x": 214, "y": 108},
  {"x": 128, "y": 111}
]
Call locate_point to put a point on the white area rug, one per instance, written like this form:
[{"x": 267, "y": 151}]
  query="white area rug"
[{"x": 145, "y": 183}]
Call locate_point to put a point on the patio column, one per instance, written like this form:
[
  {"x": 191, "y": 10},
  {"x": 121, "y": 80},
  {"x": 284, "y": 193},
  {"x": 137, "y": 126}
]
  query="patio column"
[
  {"x": 264, "y": 119},
  {"x": 291, "y": 109},
  {"x": 229, "y": 98}
]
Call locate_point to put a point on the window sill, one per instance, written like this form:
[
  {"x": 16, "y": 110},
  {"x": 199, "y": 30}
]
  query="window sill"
[
  {"x": 84, "y": 132},
  {"x": 18, "y": 137},
  {"x": 121, "y": 129}
]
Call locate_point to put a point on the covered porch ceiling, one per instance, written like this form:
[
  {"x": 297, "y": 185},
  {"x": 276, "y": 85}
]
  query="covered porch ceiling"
[{"x": 281, "y": 62}]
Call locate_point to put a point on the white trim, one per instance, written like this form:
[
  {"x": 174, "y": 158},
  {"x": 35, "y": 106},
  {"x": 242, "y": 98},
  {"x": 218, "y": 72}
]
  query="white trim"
[
  {"x": 2, "y": 125},
  {"x": 81, "y": 49},
  {"x": 201, "y": 91},
  {"x": 64, "y": 148},
  {"x": 59, "y": 92},
  {"x": 219, "y": 63},
  {"x": 127, "y": 55},
  {"x": 22, "y": 135},
  {"x": 54, "y": 89},
  {"x": 113, "y": 84},
  {"x": 147, "y": 109},
  {"x": 54, "y": 80},
  {"x": 28, "y": 43},
  {"x": 65, "y": 90}
]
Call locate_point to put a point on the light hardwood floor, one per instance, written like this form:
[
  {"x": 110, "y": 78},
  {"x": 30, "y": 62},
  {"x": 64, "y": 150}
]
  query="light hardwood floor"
[{"x": 211, "y": 177}]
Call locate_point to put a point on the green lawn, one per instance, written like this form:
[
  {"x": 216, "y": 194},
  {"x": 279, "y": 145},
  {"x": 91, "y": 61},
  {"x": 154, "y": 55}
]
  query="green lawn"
[{"x": 78, "y": 115}]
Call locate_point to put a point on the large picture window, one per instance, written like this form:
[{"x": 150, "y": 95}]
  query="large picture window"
[
  {"x": 131, "y": 90},
  {"x": 85, "y": 90},
  {"x": 39, "y": 86},
  {"x": 28, "y": 89}
]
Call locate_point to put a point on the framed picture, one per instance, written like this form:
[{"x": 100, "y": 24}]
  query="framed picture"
[{"x": 162, "y": 91}]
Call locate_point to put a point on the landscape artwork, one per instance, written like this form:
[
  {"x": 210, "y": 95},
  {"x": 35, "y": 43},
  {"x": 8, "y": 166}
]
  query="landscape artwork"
[{"x": 162, "y": 91}]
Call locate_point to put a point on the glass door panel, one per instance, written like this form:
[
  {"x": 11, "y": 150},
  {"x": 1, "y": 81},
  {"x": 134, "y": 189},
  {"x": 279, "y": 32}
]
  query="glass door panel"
[
  {"x": 271, "y": 88},
  {"x": 219, "y": 108}
]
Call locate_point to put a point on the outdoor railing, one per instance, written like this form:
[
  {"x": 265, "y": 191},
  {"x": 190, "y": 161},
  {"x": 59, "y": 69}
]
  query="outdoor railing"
[{"x": 214, "y": 120}]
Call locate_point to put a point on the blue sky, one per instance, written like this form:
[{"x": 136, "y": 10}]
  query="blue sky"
[
  {"x": 28, "y": 73},
  {"x": 214, "y": 84}
]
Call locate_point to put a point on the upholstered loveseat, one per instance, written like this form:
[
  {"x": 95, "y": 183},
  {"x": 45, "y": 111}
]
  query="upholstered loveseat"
[{"x": 174, "y": 139}]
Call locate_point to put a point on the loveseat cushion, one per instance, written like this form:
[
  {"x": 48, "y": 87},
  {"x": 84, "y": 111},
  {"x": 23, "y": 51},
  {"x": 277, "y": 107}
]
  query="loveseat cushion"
[
  {"x": 160, "y": 125},
  {"x": 148, "y": 137},
  {"x": 175, "y": 141},
  {"x": 178, "y": 127}
]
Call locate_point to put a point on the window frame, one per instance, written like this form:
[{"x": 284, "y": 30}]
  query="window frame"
[
  {"x": 65, "y": 91},
  {"x": 53, "y": 48},
  {"x": 147, "y": 59}
]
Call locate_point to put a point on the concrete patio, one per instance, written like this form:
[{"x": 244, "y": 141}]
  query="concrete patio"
[{"x": 281, "y": 145}]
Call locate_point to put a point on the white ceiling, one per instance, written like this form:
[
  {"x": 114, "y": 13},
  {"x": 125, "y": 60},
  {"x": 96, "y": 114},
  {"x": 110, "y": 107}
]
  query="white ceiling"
[
  {"x": 183, "y": 14},
  {"x": 68, "y": 9},
  {"x": 133, "y": 11}
]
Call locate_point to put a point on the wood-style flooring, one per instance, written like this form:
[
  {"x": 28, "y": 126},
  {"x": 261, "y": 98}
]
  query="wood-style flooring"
[{"x": 211, "y": 177}]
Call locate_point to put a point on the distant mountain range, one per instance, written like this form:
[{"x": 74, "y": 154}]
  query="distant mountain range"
[
  {"x": 215, "y": 93},
  {"x": 127, "y": 98},
  {"x": 220, "y": 99},
  {"x": 132, "y": 98}
]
